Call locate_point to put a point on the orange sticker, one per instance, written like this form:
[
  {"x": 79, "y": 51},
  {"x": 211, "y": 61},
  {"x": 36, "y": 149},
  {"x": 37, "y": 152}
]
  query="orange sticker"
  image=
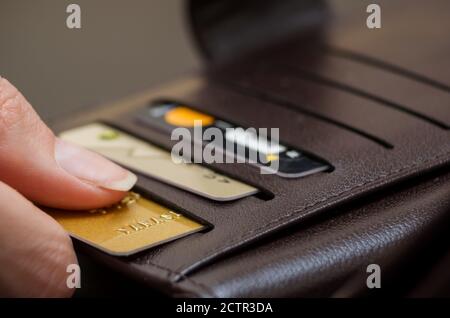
[{"x": 185, "y": 117}]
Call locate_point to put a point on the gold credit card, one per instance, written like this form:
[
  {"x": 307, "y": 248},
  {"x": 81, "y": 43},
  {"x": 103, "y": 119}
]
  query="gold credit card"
[
  {"x": 132, "y": 225},
  {"x": 157, "y": 163}
]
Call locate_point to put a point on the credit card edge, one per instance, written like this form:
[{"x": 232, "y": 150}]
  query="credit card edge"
[{"x": 132, "y": 252}]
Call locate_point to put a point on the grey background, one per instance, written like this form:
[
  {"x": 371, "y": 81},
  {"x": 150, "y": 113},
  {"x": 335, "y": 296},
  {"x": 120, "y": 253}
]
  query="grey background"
[{"x": 122, "y": 48}]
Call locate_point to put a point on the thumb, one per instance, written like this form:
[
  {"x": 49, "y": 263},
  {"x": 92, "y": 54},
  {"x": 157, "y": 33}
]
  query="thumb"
[
  {"x": 34, "y": 250},
  {"x": 50, "y": 171}
]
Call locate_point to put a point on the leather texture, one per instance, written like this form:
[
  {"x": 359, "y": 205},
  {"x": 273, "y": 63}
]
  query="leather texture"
[
  {"x": 315, "y": 259},
  {"x": 380, "y": 119}
]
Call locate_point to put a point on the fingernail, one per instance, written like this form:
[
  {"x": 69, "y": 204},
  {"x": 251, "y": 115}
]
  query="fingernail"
[{"x": 92, "y": 168}]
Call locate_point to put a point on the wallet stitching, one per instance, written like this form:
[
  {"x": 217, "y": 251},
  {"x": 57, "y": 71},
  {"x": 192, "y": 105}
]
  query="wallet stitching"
[
  {"x": 311, "y": 205},
  {"x": 179, "y": 275}
]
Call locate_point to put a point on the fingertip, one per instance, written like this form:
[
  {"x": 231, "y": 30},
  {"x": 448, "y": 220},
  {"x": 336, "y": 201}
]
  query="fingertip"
[
  {"x": 84, "y": 198},
  {"x": 50, "y": 171},
  {"x": 92, "y": 167},
  {"x": 122, "y": 185}
]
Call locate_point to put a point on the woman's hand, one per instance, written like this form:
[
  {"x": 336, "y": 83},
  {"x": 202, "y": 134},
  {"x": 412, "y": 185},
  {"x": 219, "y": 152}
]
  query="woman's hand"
[{"x": 35, "y": 165}]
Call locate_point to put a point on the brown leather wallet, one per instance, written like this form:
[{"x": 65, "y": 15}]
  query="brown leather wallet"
[{"x": 373, "y": 103}]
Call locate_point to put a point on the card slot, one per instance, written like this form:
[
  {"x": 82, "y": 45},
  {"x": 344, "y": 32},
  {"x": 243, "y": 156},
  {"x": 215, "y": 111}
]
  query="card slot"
[
  {"x": 280, "y": 101},
  {"x": 377, "y": 63},
  {"x": 286, "y": 88},
  {"x": 388, "y": 86},
  {"x": 149, "y": 192},
  {"x": 423, "y": 51},
  {"x": 419, "y": 113},
  {"x": 203, "y": 210}
]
